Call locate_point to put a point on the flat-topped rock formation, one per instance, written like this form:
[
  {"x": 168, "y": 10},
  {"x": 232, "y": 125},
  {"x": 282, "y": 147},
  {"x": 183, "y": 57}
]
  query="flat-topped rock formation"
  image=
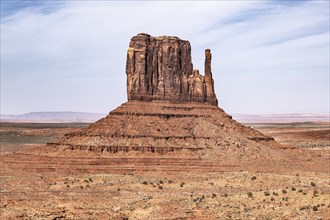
[
  {"x": 160, "y": 68},
  {"x": 176, "y": 131},
  {"x": 170, "y": 107}
]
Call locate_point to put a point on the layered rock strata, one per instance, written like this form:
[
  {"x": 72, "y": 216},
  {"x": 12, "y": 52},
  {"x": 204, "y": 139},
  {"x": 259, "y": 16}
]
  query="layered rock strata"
[
  {"x": 162, "y": 127},
  {"x": 170, "y": 107},
  {"x": 160, "y": 68}
]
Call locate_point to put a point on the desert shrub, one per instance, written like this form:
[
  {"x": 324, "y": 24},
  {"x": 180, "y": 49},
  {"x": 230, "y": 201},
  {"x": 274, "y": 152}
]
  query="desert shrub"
[
  {"x": 253, "y": 178},
  {"x": 275, "y": 193},
  {"x": 161, "y": 182},
  {"x": 90, "y": 179},
  {"x": 272, "y": 199},
  {"x": 267, "y": 193},
  {"x": 249, "y": 194},
  {"x": 304, "y": 207},
  {"x": 160, "y": 187},
  {"x": 214, "y": 195},
  {"x": 300, "y": 190},
  {"x": 284, "y": 191},
  {"x": 144, "y": 182},
  {"x": 315, "y": 208},
  {"x": 199, "y": 199},
  {"x": 313, "y": 184},
  {"x": 182, "y": 184},
  {"x": 293, "y": 189}
]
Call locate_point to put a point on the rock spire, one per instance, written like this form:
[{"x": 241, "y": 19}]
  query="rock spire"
[{"x": 160, "y": 68}]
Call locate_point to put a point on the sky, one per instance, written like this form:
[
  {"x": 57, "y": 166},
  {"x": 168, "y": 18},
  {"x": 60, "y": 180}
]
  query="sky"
[{"x": 267, "y": 56}]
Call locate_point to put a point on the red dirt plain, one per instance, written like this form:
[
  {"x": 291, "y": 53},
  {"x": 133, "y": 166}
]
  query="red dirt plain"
[{"x": 287, "y": 181}]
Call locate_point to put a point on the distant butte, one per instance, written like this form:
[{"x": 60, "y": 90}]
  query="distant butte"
[
  {"x": 170, "y": 108},
  {"x": 160, "y": 68}
]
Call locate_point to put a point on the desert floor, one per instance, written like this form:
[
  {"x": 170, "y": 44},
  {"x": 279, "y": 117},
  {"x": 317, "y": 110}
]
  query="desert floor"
[{"x": 229, "y": 193}]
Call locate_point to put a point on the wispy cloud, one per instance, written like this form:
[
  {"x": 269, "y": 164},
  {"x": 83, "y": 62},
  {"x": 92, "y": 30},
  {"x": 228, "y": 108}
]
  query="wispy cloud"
[{"x": 268, "y": 56}]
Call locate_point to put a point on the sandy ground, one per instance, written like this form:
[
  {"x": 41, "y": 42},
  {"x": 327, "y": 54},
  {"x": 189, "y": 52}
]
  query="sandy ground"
[{"x": 240, "y": 192}]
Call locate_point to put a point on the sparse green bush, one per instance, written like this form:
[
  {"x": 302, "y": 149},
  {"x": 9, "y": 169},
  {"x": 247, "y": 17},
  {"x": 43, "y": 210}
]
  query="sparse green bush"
[{"x": 199, "y": 199}]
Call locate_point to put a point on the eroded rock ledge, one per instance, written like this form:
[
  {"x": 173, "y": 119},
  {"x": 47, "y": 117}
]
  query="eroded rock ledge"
[{"x": 160, "y": 68}]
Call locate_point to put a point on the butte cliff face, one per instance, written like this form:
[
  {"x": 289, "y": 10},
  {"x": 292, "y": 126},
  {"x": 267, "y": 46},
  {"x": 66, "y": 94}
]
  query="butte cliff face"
[
  {"x": 160, "y": 68},
  {"x": 170, "y": 108}
]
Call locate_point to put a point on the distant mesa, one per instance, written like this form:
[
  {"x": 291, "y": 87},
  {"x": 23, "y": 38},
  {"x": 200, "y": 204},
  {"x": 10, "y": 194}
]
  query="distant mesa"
[
  {"x": 170, "y": 108},
  {"x": 52, "y": 117}
]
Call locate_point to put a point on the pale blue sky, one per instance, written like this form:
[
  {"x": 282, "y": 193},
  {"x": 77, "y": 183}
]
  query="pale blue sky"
[{"x": 268, "y": 56}]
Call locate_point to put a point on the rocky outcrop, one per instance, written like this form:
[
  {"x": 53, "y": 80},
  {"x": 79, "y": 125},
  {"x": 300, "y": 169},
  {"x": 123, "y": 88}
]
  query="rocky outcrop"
[
  {"x": 185, "y": 117},
  {"x": 160, "y": 68},
  {"x": 162, "y": 127}
]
